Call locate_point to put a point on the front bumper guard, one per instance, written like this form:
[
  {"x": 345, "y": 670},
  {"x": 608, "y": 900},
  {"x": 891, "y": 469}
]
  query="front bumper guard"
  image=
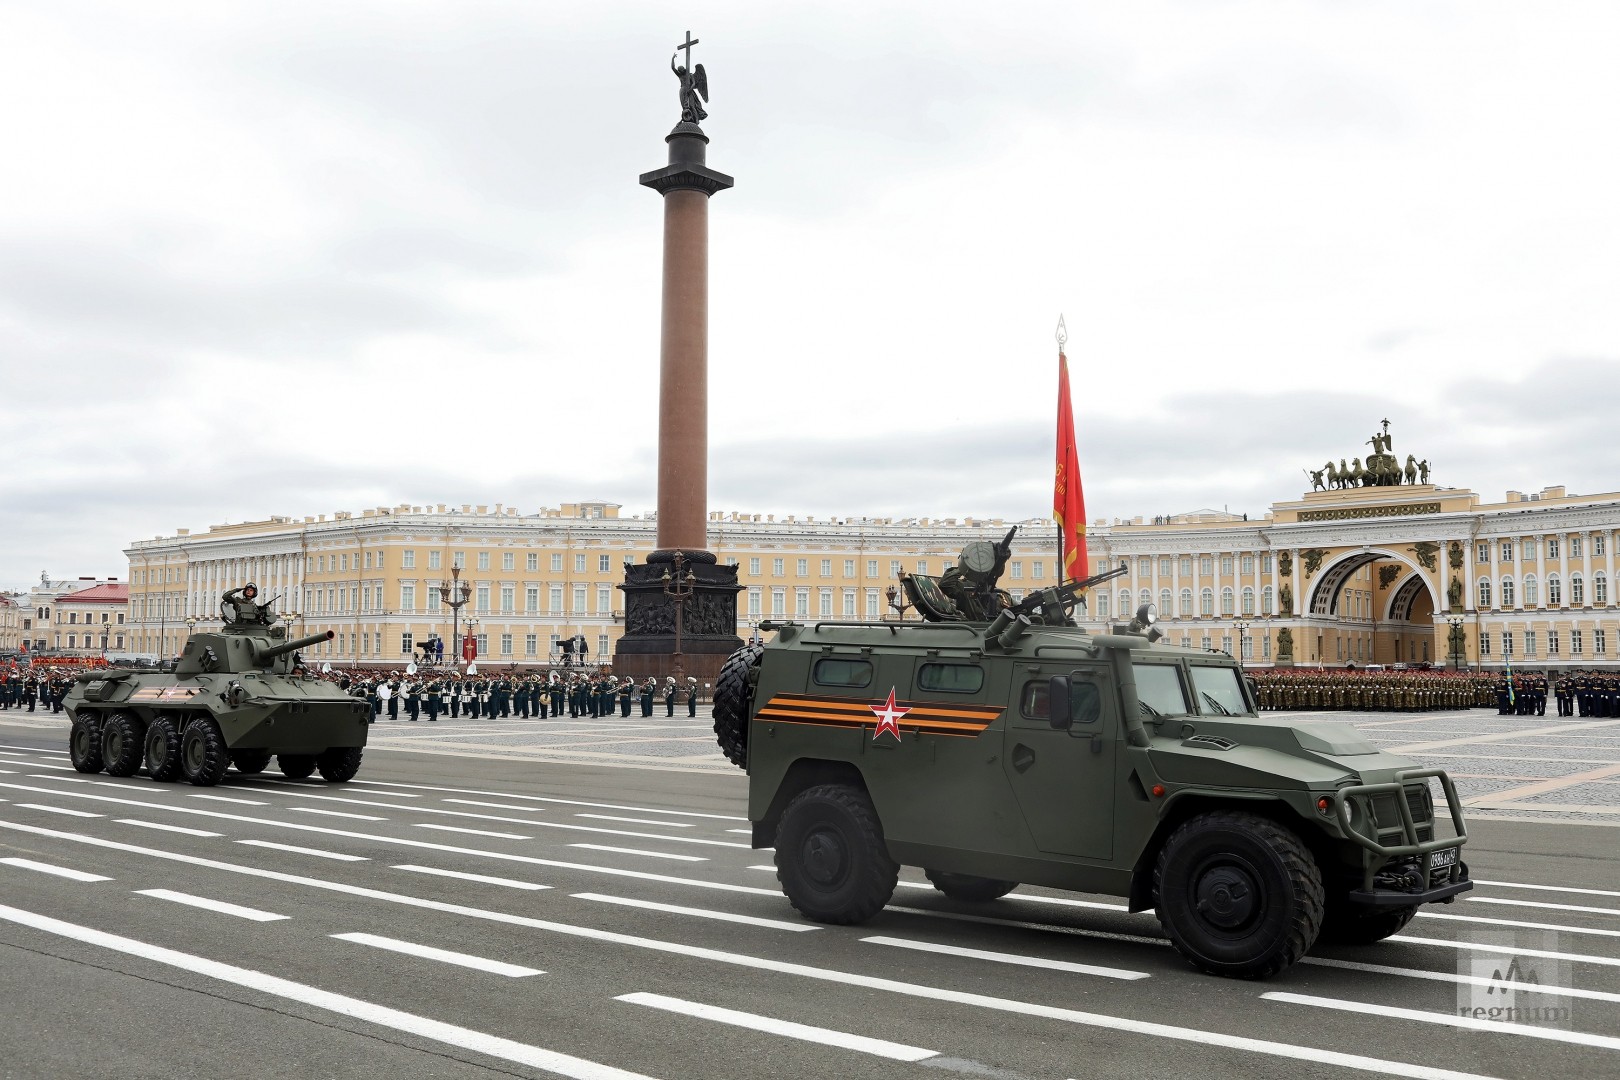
[{"x": 1411, "y": 846}]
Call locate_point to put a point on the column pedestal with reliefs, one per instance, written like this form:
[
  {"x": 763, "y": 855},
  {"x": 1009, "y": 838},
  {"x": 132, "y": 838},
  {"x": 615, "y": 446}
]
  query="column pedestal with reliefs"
[{"x": 708, "y": 632}]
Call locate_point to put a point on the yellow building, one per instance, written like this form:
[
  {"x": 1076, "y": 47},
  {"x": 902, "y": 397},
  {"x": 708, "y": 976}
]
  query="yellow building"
[{"x": 1343, "y": 575}]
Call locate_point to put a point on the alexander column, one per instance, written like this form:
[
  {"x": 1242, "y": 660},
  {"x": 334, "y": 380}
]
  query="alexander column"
[{"x": 681, "y": 605}]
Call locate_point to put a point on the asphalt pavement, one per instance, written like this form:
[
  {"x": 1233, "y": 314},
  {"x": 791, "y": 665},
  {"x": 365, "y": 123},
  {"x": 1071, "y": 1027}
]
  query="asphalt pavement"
[{"x": 543, "y": 908}]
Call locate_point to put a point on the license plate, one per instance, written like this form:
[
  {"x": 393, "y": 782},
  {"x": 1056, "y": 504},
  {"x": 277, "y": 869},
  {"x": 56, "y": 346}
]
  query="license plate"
[{"x": 1439, "y": 860}]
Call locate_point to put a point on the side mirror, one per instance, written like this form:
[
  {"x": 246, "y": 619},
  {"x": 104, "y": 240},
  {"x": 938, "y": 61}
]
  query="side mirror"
[
  {"x": 1253, "y": 693},
  {"x": 1057, "y": 703}
]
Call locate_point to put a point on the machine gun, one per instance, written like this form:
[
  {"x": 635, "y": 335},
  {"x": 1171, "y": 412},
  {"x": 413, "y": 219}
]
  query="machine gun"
[{"x": 1051, "y": 604}]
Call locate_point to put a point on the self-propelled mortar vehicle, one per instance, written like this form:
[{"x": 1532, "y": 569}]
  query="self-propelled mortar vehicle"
[
  {"x": 237, "y": 697},
  {"x": 997, "y": 743}
]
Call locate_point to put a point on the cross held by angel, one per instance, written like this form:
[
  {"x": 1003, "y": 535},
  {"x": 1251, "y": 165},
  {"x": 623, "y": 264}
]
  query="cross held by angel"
[{"x": 694, "y": 83}]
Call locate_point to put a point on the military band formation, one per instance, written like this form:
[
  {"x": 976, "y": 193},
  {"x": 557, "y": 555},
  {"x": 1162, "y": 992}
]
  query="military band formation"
[{"x": 598, "y": 694}]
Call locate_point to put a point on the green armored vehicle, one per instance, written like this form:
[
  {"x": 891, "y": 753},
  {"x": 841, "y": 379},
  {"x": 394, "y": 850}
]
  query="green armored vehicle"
[
  {"x": 998, "y": 743},
  {"x": 237, "y": 697}
]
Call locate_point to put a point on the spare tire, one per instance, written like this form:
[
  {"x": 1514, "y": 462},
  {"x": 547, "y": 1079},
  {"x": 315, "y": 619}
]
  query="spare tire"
[{"x": 734, "y": 702}]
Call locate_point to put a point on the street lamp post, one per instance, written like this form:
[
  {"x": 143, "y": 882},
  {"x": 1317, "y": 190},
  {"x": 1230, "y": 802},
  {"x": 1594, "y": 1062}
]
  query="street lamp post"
[
  {"x": 678, "y": 587},
  {"x": 898, "y": 601},
  {"x": 455, "y": 595},
  {"x": 1456, "y": 622},
  {"x": 1242, "y": 626}
]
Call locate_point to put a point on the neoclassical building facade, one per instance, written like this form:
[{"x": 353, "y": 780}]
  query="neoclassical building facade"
[{"x": 1405, "y": 573}]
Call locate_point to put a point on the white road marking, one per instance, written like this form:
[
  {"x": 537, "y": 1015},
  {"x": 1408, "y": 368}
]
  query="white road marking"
[
  {"x": 486, "y": 805},
  {"x": 444, "y": 956},
  {"x": 56, "y": 809},
  {"x": 1550, "y": 989},
  {"x": 470, "y": 832},
  {"x": 1467, "y": 1023},
  {"x": 561, "y": 802},
  {"x": 1546, "y": 888},
  {"x": 9, "y": 772},
  {"x": 164, "y": 828},
  {"x": 638, "y": 851},
  {"x": 1561, "y": 927},
  {"x": 334, "y": 813},
  {"x": 57, "y": 871},
  {"x": 1508, "y": 950},
  {"x": 638, "y": 821},
  {"x": 317, "y": 852},
  {"x": 1100, "y": 1021},
  {"x": 1008, "y": 958},
  {"x": 382, "y": 1016},
  {"x": 702, "y": 913},
  {"x": 825, "y": 1036},
  {"x": 1063, "y": 901},
  {"x": 763, "y": 866},
  {"x": 153, "y": 790},
  {"x": 227, "y": 798},
  {"x": 251, "y": 914},
  {"x": 1505, "y": 902},
  {"x": 484, "y": 879},
  {"x": 48, "y": 765},
  {"x": 35, "y": 749},
  {"x": 744, "y": 832}
]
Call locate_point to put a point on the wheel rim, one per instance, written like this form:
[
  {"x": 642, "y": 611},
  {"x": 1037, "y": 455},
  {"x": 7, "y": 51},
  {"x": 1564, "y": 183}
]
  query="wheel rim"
[
  {"x": 1227, "y": 896},
  {"x": 157, "y": 748},
  {"x": 115, "y": 743},
  {"x": 825, "y": 858},
  {"x": 194, "y": 753},
  {"x": 81, "y": 741}
]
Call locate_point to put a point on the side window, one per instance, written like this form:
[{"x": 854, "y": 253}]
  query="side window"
[
  {"x": 834, "y": 671},
  {"x": 1085, "y": 701},
  {"x": 951, "y": 678}
]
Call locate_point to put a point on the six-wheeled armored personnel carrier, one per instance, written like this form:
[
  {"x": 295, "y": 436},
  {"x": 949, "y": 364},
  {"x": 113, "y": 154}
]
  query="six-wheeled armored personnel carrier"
[
  {"x": 997, "y": 743},
  {"x": 237, "y": 697}
]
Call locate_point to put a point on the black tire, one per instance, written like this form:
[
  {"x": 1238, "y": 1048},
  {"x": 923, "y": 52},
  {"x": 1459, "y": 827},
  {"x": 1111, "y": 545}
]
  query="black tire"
[
  {"x": 122, "y": 744},
  {"x": 248, "y": 762},
  {"x": 1345, "y": 923},
  {"x": 734, "y": 701},
  {"x": 295, "y": 766},
  {"x": 84, "y": 743},
  {"x": 339, "y": 763},
  {"x": 967, "y": 887},
  {"x": 163, "y": 750},
  {"x": 203, "y": 757},
  {"x": 1238, "y": 894},
  {"x": 830, "y": 856}
]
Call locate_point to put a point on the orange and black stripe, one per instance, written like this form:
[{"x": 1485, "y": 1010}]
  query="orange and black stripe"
[{"x": 931, "y": 717}]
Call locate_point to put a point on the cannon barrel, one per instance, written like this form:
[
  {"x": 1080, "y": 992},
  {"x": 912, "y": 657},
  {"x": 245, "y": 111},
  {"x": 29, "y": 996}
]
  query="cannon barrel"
[{"x": 267, "y": 655}]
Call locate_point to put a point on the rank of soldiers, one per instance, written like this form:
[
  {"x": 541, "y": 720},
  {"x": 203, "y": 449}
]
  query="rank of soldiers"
[
  {"x": 1373, "y": 691},
  {"x": 597, "y": 694}
]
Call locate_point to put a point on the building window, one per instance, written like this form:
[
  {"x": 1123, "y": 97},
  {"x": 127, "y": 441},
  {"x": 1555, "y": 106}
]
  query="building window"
[
  {"x": 1532, "y": 591},
  {"x": 778, "y": 602},
  {"x": 508, "y": 560},
  {"x": 1124, "y": 601},
  {"x": 1265, "y": 601},
  {"x": 483, "y": 644},
  {"x": 601, "y": 644},
  {"x": 483, "y": 560},
  {"x": 531, "y": 645},
  {"x": 1529, "y": 643},
  {"x": 1248, "y": 601},
  {"x": 1507, "y": 592},
  {"x": 579, "y": 564},
  {"x": 531, "y": 599},
  {"x": 1484, "y": 592},
  {"x": 534, "y": 562},
  {"x": 1226, "y": 602},
  {"x": 753, "y": 601},
  {"x": 849, "y": 568},
  {"x": 1248, "y": 564},
  {"x": 1186, "y": 566},
  {"x": 1226, "y": 566},
  {"x": 1507, "y": 643},
  {"x": 895, "y": 568},
  {"x": 1205, "y": 643},
  {"x": 1206, "y": 603},
  {"x": 1574, "y": 547},
  {"x": 407, "y": 597},
  {"x": 802, "y": 567},
  {"x": 1017, "y": 569},
  {"x": 1599, "y": 543},
  {"x": 1483, "y": 552},
  {"x": 776, "y": 568},
  {"x": 408, "y": 559},
  {"x": 826, "y": 603},
  {"x": 1484, "y": 643},
  {"x": 1576, "y": 641},
  {"x": 508, "y": 599},
  {"x": 604, "y": 564},
  {"x": 579, "y": 599},
  {"x": 1206, "y": 565},
  {"x": 1600, "y": 587},
  {"x": 849, "y": 603},
  {"x": 604, "y": 600},
  {"x": 801, "y": 603},
  {"x": 1226, "y": 644},
  {"x": 1552, "y": 548},
  {"x": 1038, "y": 569},
  {"x": 1552, "y": 643},
  {"x": 1144, "y": 566},
  {"x": 1600, "y": 638},
  {"x": 872, "y": 610},
  {"x": 1507, "y": 556},
  {"x": 1184, "y": 607},
  {"x": 871, "y": 568},
  {"x": 753, "y": 567},
  {"x": 1164, "y": 603},
  {"x": 1555, "y": 591},
  {"x": 434, "y": 562},
  {"x": 922, "y": 566},
  {"x": 1577, "y": 589},
  {"x": 826, "y": 568},
  {"x": 1265, "y": 563},
  {"x": 1265, "y": 645},
  {"x": 556, "y": 599},
  {"x": 1102, "y": 605},
  {"x": 556, "y": 563}
]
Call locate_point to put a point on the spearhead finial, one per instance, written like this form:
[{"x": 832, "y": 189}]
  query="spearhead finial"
[{"x": 1062, "y": 334}]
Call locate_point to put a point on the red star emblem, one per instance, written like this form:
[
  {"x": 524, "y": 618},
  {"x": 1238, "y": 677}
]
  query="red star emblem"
[{"x": 888, "y": 713}]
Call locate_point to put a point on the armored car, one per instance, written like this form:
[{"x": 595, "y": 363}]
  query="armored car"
[{"x": 995, "y": 743}]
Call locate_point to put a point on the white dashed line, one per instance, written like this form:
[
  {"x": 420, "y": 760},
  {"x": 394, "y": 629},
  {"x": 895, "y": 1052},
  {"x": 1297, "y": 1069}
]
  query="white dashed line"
[
  {"x": 638, "y": 851},
  {"x": 470, "y": 832},
  {"x": 56, "y": 809},
  {"x": 164, "y": 828},
  {"x": 55, "y": 871},
  {"x": 787, "y": 1028},
  {"x": 334, "y": 813},
  {"x": 1008, "y": 958},
  {"x": 482, "y": 879},
  {"x": 240, "y": 912},
  {"x": 1467, "y": 1023},
  {"x": 227, "y": 798},
  {"x": 443, "y": 956},
  {"x": 317, "y": 852},
  {"x": 702, "y": 913},
  {"x": 637, "y": 821}
]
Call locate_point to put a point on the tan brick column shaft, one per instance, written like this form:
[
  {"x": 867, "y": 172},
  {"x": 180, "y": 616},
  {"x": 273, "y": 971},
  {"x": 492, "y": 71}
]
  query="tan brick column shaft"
[{"x": 683, "y": 397}]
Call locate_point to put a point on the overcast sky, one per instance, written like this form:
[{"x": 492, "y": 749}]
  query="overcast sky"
[{"x": 292, "y": 258}]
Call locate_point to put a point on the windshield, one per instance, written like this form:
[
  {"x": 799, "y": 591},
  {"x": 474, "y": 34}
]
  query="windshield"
[
  {"x": 1158, "y": 689},
  {"x": 1218, "y": 691}
]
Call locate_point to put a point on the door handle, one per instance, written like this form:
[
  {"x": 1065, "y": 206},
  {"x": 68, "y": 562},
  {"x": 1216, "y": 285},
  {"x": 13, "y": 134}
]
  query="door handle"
[{"x": 1022, "y": 757}]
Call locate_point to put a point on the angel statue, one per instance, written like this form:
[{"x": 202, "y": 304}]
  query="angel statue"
[{"x": 694, "y": 88}]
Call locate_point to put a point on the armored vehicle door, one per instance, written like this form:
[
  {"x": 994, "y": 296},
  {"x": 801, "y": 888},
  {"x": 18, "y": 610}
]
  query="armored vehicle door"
[{"x": 1064, "y": 779}]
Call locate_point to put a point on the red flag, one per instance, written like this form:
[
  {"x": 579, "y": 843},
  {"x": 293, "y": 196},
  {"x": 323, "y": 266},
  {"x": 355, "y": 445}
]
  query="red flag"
[{"x": 1068, "y": 501}]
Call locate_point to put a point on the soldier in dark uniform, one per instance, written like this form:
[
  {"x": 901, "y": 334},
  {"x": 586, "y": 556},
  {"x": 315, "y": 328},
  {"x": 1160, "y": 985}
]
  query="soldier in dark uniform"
[
  {"x": 413, "y": 698},
  {"x": 1561, "y": 694},
  {"x": 691, "y": 695},
  {"x": 649, "y": 690},
  {"x": 669, "y": 696},
  {"x": 626, "y": 686},
  {"x": 393, "y": 696},
  {"x": 556, "y": 696}
]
